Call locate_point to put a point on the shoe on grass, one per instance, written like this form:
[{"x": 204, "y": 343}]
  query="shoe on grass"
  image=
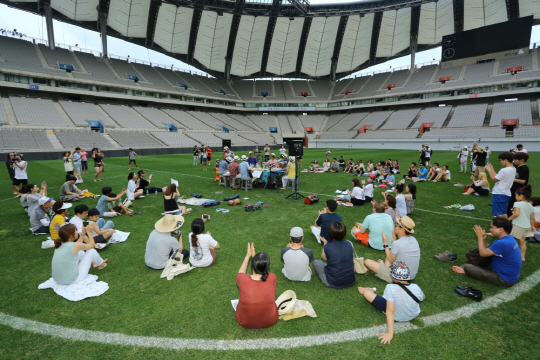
[{"x": 446, "y": 257}]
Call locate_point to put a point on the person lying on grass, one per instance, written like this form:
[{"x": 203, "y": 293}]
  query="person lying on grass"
[
  {"x": 397, "y": 303},
  {"x": 504, "y": 253}
]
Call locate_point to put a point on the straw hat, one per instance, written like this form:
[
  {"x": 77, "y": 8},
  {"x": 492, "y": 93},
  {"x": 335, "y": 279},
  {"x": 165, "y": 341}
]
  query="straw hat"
[
  {"x": 406, "y": 223},
  {"x": 285, "y": 302},
  {"x": 169, "y": 223}
]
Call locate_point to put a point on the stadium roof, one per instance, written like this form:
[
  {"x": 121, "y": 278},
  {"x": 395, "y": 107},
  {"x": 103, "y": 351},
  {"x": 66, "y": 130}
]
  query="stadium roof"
[{"x": 282, "y": 38}]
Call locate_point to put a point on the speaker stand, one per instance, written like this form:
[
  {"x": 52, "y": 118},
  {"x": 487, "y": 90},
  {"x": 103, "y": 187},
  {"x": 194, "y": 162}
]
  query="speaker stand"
[{"x": 295, "y": 193}]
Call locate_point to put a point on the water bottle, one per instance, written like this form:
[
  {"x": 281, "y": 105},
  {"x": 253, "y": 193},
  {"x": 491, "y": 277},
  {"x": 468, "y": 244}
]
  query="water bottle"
[{"x": 155, "y": 192}]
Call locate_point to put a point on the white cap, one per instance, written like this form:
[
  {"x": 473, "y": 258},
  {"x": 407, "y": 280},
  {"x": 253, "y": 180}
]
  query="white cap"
[{"x": 43, "y": 200}]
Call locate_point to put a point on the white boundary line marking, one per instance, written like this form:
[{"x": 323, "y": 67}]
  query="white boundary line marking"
[{"x": 101, "y": 337}]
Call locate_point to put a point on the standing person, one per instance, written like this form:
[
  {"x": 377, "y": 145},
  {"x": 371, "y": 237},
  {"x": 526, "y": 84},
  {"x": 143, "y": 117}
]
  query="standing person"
[
  {"x": 296, "y": 257},
  {"x": 423, "y": 154},
  {"x": 74, "y": 255},
  {"x": 132, "y": 154},
  {"x": 488, "y": 153},
  {"x": 480, "y": 156},
  {"x": 84, "y": 161},
  {"x": 201, "y": 149},
  {"x": 463, "y": 157},
  {"x": 204, "y": 159},
  {"x": 21, "y": 174},
  {"x": 504, "y": 252},
  {"x": 400, "y": 301},
  {"x": 338, "y": 271},
  {"x": 328, "y": 153},
  {"x": 77, "y": 163},
  {"x": 67, "y": 158},
  {"x": 10, "y": 164},
  {"x": 257, "y": 154},
  {"x": 209, "y": 153},
  {"x": 201, "y": 246},
  {"x": 256, "y": 308},
  {"x": 326, "y": 217},
  {"x": 195, "y": 155},
  {"x": 266, "y": 153},
  {"x": 282, "y": 150},
  {"x": 521, "y": 179},
  {"x": 162, "y": 244},
  {"x": 523, "y": 217},
  {"x": 98, "y": 157},
  {"x": 503, "y": 183},
  {"x": 427, "y": 155}
]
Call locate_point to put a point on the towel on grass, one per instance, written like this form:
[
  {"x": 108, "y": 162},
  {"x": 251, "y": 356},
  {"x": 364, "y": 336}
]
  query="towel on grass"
[{"x": 81, "y": 290}]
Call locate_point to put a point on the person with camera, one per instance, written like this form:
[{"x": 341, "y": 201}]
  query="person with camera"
[
  {"x": 10, "y": 164},
  {"x": 201, "y": 245},
  {"x": 164, "y": 241},
  {"x": 21, "y": 175}
]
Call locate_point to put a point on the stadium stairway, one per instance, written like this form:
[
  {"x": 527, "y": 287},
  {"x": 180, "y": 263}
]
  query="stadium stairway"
[
  {"x": 534, "y": 112},
  {"x": 416, "y": 117},
  {"x": 384, "y": 122},
  {"x": 449, "y": 117},
  {"x": 63, "y": 114},
  {"x": 41, "y": 57},
  {"x": 462, "y": 73},
  {"x": 54, "y": 140},
  {"x": 111, "y": 140},
  {"x": 79, "y": 63},
  {"x": 104, "y": 113},
  {"x": 10, "y": 114},
  {"x": 109, "y": 65},
  {"x": 489, "y": 110}
]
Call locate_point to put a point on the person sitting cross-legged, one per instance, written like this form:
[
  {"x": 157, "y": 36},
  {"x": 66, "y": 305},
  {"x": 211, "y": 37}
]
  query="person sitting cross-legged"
[
  {"x": 327, "y": 216},
  {"x": 376, "y": 223},
  {"x": 296, "y": 257},
  {"x": 162, "y": 243},
  {"x": 397, "y": 301},
  {"x": 504, "y": 253},
  {"x": 405, "y": 249}
]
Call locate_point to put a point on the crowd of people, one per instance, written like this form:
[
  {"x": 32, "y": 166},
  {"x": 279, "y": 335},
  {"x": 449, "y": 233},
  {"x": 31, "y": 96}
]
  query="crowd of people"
[{"x": 389, "y": 229}]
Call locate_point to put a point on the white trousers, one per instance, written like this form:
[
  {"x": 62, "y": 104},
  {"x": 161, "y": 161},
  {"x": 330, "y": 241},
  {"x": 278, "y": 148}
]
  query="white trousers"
[{"x": 86, "y": 258}]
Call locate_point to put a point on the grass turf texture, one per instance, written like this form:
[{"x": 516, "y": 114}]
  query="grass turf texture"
[{"x": 197, "y": 304}]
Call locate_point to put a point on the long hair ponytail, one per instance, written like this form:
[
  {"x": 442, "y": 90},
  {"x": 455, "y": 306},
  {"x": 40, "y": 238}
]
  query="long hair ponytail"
[
  {"x": 197, "y": 227},
  {"x": 260, "y": 264}
]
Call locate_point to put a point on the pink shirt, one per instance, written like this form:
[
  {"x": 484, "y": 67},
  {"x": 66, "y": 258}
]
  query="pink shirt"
[{"x": 83, "y": 156}]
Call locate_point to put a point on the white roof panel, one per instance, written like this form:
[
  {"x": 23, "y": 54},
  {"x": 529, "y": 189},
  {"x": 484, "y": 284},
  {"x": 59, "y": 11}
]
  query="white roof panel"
[
  {"x": 249, "y": 45},
  {"x": 78, "y": 10},
  {"x": 529, "y": 7},
  {"x": 395, "y": 33},
  {"x": 284, "y": 47},
  {"x": 436, "y": 21},
  {"x": 478, "y": 13},
  {"x": 129, "y": 17},
  {"x": 356, "y": 42},
  {"x": 320, "y": 46},
  {"x": 213, "y": 40},
  {"x": 173, "y": 27}
]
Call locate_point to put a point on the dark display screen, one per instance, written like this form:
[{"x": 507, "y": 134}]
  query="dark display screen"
[{"x": 509, "y": 35}]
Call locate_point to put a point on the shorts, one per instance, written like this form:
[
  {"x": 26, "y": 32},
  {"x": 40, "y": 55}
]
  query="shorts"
[
  {"x": 204, "y": 160},
  {"x": 499, "y": 204},
  {"x": 379, "y": 303},
  {"x": 98, "y": 164},
  {"x": 363, "y": 238},
  {"x": 78, "y": 168},
  {"x": 228, "y": 173},
  {"x": 99, "y": 239},
  {"x": 132, "y": 161},
  {"x": 18, "y": 182},
  {"x": 383, "y": 273},
  {"x": 519, "y": 233}
]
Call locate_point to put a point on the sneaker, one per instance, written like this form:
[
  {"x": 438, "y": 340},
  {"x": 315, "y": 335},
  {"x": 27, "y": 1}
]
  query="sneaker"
[
  {"x": 47, "y": 244},
  {"x": 141, "y": 197},
  {"x": 446, "y": 257},
  {"x": 40, "y": 233}
]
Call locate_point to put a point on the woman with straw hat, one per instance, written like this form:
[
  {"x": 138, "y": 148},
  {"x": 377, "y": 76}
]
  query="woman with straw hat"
[{"x": 162, "y": 243}]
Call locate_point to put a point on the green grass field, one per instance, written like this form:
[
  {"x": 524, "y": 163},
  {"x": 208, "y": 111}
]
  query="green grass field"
[{"x": 197, "y": 305}]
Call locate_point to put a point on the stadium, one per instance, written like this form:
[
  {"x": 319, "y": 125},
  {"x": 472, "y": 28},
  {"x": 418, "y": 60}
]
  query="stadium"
[{"x": 267, "y": 72}]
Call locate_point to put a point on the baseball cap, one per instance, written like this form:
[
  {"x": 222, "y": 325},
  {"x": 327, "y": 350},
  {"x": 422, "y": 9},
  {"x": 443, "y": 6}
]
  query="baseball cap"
[
  {"x": 44, "y": 200},
  {"x": 297, "y": 232}
]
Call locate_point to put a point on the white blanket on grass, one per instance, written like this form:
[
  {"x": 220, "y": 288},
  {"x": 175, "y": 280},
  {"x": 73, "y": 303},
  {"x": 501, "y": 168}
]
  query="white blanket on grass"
[
  {"x": 195, "y": 202},
  {"x": 81, "y": 290}
]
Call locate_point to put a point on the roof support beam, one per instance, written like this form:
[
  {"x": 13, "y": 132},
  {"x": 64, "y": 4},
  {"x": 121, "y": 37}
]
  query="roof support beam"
[
  {"x": 459, "y": 13},
  {"x": 152, "y": 20},
  {"x": 238, "y": 9},
  {"x": 195, "y": 22},
  {"x": 415, "y": 25},
  {"x": 377, "y": 20},
  {"x": 337, "y": 47},
  {"x": 512, "y": 7},
  {"x": 103, "y": 13},
  {"x": 302, "y": 47},
  {"x": 49, "y": 22},
  {"x": 274, "y": 12}
]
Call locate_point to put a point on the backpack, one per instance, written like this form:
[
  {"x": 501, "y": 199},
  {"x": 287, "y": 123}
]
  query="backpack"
[{"x": 311, "y": 199}]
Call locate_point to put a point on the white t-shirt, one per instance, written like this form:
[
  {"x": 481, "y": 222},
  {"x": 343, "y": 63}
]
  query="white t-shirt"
[
  {"x": 130, "y": 191},
  {"x": 21, "y": 174},
  {"x": 523, "y": 150},
  {"x": 401, "y": 205},
  {"x": 368, "y": 190},
  {"x": 448, "y": 175},
  {"x": 282, "y": 151},
  {"x": 506, "y": 178},
  {"x": 78, "y": 222},
  {"x": 358, "y": 193},
  {"x": 405, "y": 307},
  {"x": 200, "y": 256}
]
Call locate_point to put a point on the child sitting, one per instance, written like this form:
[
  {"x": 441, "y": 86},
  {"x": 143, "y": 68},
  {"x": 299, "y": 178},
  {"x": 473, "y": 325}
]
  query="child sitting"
[
  {"x": 400, "y": 300},
  {"x": 103, "y": 233}
]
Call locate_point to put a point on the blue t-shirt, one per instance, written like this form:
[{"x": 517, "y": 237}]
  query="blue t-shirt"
[
  {"x": 391, "y": 179},
  {"x": 102, "y": 204},
  {"x": 252, "y": 161},
  {"x": 422, "y": 173},
  {"x": 339, "y": 269},
  {"x": 507, "y": 259},
  {"x": 223, "y": 167},
  {"x": 77, "y": 158},
  {"x": 244, "y": 170},
  {"x": 324, "y": 221}
]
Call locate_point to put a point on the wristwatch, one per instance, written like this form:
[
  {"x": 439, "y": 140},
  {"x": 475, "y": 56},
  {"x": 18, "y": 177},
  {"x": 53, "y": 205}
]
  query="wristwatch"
[{"x": 385, "y": 246}]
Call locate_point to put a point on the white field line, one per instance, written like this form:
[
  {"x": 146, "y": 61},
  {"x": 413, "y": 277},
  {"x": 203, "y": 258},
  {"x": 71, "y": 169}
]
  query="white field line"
[{"x": 100, "y": 337}]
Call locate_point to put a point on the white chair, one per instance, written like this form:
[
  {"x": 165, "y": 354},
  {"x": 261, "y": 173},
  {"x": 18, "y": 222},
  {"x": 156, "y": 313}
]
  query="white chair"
[
  {"x": 222, "y": 181},
  {"x": 290, "y": 183},
  {"x": 247, "y": 184}
]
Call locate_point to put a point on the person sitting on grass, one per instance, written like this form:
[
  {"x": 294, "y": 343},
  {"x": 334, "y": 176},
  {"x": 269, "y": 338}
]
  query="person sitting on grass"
[
  {"x": 296, "y": 257},
  {"x": 368, "y": 189},
  {"x": 101, "y": 230},
  {"x": 326, "y": 165},
  {"x": 504, "y": 253},
  {"x": 523, "y": 218},
  {"x": 170, "y": 194},
  {"x": 377, "y": 223},
  {"x": 390, "y": 206},
  {"x": 400, "y": 300},
  {"x": 32, "y": 196},
  {"x": 503, "y": 180},
  {"x": 401, "y": 199},
  {"x": 349, "y": 167},
  {"x": 42, "y": 216},
  {"x": 107, "y": 198},
  {"x": 480, "y": 186},
  {"x": 338, "y": 270},
  {"x": 144, "y": 185},
  {"x": 444, "y": 175},
  {"x": 334, "y": 166},
  {"x": 356, "y": 196},
  {"x": 327, "y": 216},
  {"x": 433, "y": 171},
  {"x": 256, "y": 308},
  {"x": 314, "y": 166},
  {"x": 405, "y": 249},
  {"x": 412, "y": 172},
  {"x": 201, "y": 246},
  {"x": 132, "y": 193},
  {"x": 162, "y": 244},
  {"x": 59, "y": 218},
  {"x": 390, "y": 179},
  {"x": 422, "y": 174},
  {"x": 74, "y": 255},
  {"x": 341, "y": 163},
  {"x": 69, "y": 192},
  {"x": 359, "y": 168}
]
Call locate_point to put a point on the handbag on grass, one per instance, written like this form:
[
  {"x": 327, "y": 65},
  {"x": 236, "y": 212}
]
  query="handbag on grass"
[
  {"x": 359, "y": 266},
  {"x": 175, "y": 266}
]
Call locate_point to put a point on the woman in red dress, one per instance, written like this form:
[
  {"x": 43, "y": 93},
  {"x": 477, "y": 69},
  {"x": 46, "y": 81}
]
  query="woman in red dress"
[{"x": 256, "y": 304}]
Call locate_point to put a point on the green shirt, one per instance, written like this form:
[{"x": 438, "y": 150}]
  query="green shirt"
[{"x": 64, "y": 264}]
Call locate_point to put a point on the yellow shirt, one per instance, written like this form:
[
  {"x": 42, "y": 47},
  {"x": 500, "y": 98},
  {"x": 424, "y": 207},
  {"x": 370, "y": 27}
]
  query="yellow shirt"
[
  {"x": 292, "y": 172},
  {"x": 57, "y": 221}
]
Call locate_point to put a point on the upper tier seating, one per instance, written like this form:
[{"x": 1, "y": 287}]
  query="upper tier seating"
[
  {"x": 81, "y": 113},
  {"x": 40, "y": 112},
  {"x": 375, "y": 82},
  {"x": 244, "y": 88},
  {"x": 21, "y": 55},
  {"x": 155, "y": 80},
  {"x": 58, "y": 55},
  {"x": 126, "y": 117},
  {"x": 468, "y": 115},
  {"x": 99, "y": 70},
  {"x": 24, "y": 140},
  {"x": 398, "y": 77},
  {"x": 520, "y": 109},
  {"x": 84, "y": 139},
  {"x": 418, "y": 80}
]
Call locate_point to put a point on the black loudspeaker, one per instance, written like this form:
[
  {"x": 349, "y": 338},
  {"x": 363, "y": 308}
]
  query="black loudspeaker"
[
  {"x": 296, "y": 147},
  {"x": 226, "y": 143}
]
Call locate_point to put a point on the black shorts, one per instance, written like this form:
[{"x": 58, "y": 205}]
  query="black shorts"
[
  {"x": 132, "y": 161},
  {"x": 69, "y": 172},
  {"x": 18, "y": 182},
  {"x": 100, "y": 239},
  {"x": 379, "y": 303},
  {"x": 117, "y": 208}
]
